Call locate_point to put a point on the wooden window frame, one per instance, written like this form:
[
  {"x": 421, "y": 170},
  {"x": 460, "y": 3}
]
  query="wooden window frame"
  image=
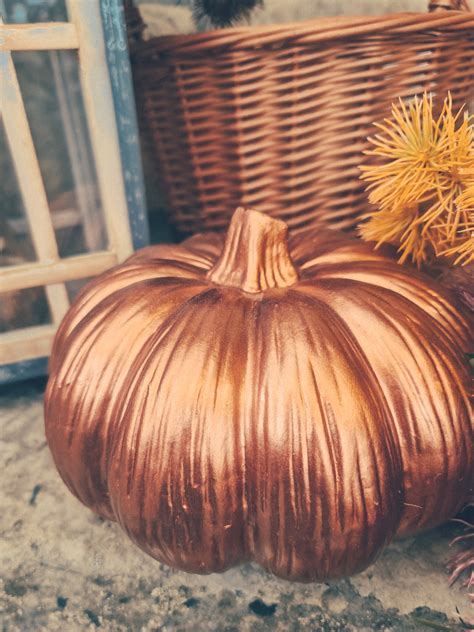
[{"x": 97, "y": 31}]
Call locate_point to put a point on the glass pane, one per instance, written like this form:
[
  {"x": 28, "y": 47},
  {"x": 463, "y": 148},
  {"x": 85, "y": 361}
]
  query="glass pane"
[
  {"x": 24, "y": 308},
  {"x": 50, "y": 85},
  {"x": 21, "y": 11},
  {"x": 16, "y": 246},
  {"x": 73, "y": 287}
]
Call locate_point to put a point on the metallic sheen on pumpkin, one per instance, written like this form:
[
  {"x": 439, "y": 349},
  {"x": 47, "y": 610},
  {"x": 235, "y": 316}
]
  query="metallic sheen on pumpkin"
[{"x": 295, "y": 401}]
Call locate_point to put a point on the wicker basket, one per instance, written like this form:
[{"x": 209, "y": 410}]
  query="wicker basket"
[{"x": 277, "y": 117}]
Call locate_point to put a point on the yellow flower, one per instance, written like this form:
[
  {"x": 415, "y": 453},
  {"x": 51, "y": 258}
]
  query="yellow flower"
[{"x": 423, "y": 182}]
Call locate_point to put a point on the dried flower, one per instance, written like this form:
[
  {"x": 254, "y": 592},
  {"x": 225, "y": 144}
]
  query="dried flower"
[{"x": 424, "y": 188}]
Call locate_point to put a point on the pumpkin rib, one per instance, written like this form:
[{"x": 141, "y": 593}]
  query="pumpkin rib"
[
  {"x": 195, "y": 251},
  {"x": 162, "y": 537},
  {"x": 310, "y": 245},
  {"x": 342, "y": 256},
  {"x": 158, "y": 338},
  {"x": 452, "y": 500},
  {"x": 82, "y": 358},
  {"x": 364, "y": 367},
  {"x": 433, "y": 303},
  {"x": 326, "y": 544},
  {"x": 444, "y": 329},
  {"x": 361, "y": 371},
  {"x": 208, "y": 246},
  {"x": 106, "y": 284}
]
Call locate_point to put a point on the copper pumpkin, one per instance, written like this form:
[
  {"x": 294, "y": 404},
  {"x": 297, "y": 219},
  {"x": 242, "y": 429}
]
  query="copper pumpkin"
[{"x": 298, "y": 402}]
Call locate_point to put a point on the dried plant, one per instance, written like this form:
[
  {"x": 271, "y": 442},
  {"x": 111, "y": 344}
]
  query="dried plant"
[
  {"x": 423, "y": 186},
  {"x": 221, "y": 13},
  {"x": 464, "y": 251},
  {"x": 461, "y": 565}
]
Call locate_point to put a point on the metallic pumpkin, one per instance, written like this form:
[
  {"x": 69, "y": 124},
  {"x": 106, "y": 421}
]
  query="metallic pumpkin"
[{"x": 295, "y": 401}]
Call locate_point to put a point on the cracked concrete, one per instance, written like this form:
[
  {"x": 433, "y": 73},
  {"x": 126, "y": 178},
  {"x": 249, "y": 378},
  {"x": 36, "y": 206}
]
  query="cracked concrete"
[{"x": 62, "y": 568}]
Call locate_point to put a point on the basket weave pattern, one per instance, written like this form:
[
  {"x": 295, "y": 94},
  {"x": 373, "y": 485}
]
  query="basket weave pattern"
[{"x": 276, "y": 118}]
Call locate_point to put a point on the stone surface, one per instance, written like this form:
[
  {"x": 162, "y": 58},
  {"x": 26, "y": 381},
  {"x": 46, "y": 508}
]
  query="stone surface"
[{"x": 62, "y": 568}]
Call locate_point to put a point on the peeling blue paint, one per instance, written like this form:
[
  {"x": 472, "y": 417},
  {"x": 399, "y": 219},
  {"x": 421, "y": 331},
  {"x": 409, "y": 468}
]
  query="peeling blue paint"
[
  {"x": 23, "y": 370},
  {"x": 115, "y": 37}
]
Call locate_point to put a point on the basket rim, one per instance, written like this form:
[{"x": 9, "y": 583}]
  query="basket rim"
[{"x": 309, "y": 32}]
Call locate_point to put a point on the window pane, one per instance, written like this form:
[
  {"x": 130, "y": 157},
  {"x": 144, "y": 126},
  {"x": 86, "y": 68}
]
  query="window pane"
[
  {"x": 50, "y": 85},
  {"x": 74, "y": 287},
  {"x": 23, "y": 308},
  {"x": 22, "y": 11},
  {"x": 16, "y": 246}
]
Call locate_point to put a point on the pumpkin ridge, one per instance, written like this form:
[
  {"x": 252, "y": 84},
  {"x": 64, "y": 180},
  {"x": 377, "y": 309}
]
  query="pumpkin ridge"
[
  {"x": 184, "y": 253},
  {"x": 87, "y": 300},
  {"x": 145, "y": 357},
  {"x": 316, "y": 246},
  {"x": 113, "y": 300},
  {"x": 207, "y": 245},
  {"x": 378, "y": 292},
  {"x": 340, "y": 258},
  {"x": 454, "y": 331},
  {"x": 334, "y": 551},
  {"x": 452, "y": 366},
  {"x": 70, "y": 363},
  {"x": 156, "y": 265},
  {"x": 453, "y": 323},
  {"x": 139, "y": 413},
  {"x": 334, "y": 446},
  {"x": 365, "y": 526},
  {"x": 395, "y": 437},
  {"x": 442, "y": 477},
  {"x": 363, "y": 364},
  {"x": 139, "y": 368},
  {"x": 255, "y": 371}
]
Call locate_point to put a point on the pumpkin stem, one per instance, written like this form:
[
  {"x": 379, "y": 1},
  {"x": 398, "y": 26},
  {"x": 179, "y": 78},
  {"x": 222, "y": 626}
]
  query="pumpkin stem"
[{"x": 255, "y": 256}]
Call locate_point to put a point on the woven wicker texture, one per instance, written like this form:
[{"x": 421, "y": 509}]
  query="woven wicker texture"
[{"x": 277, "y": 118}]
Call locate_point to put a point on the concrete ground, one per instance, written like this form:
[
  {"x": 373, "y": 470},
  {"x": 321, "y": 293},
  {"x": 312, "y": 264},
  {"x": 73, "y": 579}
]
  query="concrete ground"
[{"x": 62, "y": 568}]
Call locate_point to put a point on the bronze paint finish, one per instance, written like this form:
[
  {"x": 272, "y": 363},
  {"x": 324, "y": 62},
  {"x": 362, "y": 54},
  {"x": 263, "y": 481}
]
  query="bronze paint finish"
[{"x": 296, "y": 401}]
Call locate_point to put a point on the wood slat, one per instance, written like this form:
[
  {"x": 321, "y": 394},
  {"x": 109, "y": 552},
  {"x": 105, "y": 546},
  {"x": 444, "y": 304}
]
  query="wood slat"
[
  {"x": 29, "y": 178},
  {"x": 24, "y": 344},
  {"x": 99, "y": 106},
  {"x": 42, "y": 273},
  {"x": 39, "y": 36}
]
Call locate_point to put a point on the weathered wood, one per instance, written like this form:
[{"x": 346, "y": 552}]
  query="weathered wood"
[
  {"x": 99, "y": 106},
  {"x": 23, "y": 344},
  {"x": 36, "y": 274},
  {"x": 39, "y": 36},
  {"x": 122, "y": 89}
]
